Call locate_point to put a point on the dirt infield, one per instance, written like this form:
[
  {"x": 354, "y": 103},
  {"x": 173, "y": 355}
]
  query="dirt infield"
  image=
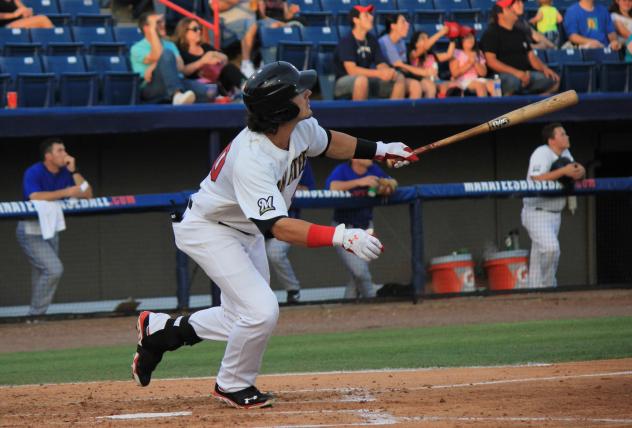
[{"x": 595, "y": 393}]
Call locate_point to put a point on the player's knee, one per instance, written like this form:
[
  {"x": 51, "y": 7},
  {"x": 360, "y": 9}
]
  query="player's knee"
[
  {"x": 266, "y": 315},
  {"x": 550, "y": 248},
  {"x": 55, "y": 270}
]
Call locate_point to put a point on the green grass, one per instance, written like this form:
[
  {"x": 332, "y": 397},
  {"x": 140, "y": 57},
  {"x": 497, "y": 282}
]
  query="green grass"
[{"x": 471, "y": 345}]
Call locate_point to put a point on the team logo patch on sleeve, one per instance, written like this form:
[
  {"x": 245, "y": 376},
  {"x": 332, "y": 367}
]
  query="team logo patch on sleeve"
[{"x": 265, "y": 205}]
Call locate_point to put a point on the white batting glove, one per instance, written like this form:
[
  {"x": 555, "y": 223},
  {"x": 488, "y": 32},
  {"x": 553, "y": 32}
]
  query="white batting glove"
[
  {"x": 398, "y": 152},
  {"x": 358, "y": 242}
]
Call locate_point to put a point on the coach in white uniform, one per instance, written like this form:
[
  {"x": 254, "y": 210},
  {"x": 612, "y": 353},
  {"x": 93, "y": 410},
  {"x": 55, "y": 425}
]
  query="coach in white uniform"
[
  {"x": 542, "y": 216},
  {"x": 246, "y": 196}
]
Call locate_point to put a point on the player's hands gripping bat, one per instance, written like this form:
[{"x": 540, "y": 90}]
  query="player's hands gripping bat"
[
  {"x": 396, "y": 154},
  {"x": 358, "y": 242}
]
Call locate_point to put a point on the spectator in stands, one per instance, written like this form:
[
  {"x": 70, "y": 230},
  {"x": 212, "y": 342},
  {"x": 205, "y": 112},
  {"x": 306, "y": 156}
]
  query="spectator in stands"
[
  {"x": 204, "y": 63},
  {"x": 546, "y": 21},
  {"x": 509, "y": 54},
  {"x": 628, "y": 50},
  {"x": 278, "y": 250},
  {"x": 541, "y": 216},
  {"x": 239, "y": 19},
  {"x": 358, "y": 176},
  {"x": 13, "y": 14},
  {"x": 422, "y": 56},
  {"x": 278, "y": 13},
  {"x": 361, "y": 69},
  {"x": 589, "y": 25},
  {"x": 620, "y": 14},
  {"x": 53, "y": 179},
  {"x": 159, "y": 64},
  {"x": 394, "y": 49},
  {"x": 468, "y": 67}
]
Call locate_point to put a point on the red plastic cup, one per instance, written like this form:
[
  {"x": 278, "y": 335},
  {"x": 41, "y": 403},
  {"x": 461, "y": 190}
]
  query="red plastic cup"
[{"x": 12, "y": 99}]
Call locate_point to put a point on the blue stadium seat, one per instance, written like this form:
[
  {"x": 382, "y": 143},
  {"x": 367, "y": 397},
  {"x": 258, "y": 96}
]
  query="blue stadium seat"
[
  {"x": 426, "y": 16},
  {"x": 429, "y": 29},
  {"x": 579, "y": 76},
  {"x": 42, "y": 7},
  {"x": 615, "y": 77},
  {"x": 343, "y": 30},
  {"x": 36, "y": 90},
  {"x": 270, "y": 38},
  {"x": 564, "y": 56},
  {"x": 319, "y": 34},
  {"x": 18, "y": 65},
  {"x": 68, "y": 48},
  {"x": 60, "y": 19},
  {"x": 413, "y": 5},
  {"x": 318, "y": 19},
  {"x": 92, "y": 20},
  {"x": 449, "y": 5},
  {"x": 75, "y": 7},
  {"x": 77, "y": 87},
  {"x": 600, "y": 55},
  {"x": 381, "y": 4},
  {"x": 541, "y": 54},
  {"x": 296, "y": 53},
  {"x": 339, "y": 7},
  {"x": 5, "y": 79},
  {"x": 380, "y": 16},
  {"x": 128, "y": 35},
  {"x": 22, "y": 49},
  {"x": 326, "y": 69},
  {"x": 89, "y": 35},
  {"x": 13, "y": 35},
  {"x": 51, "y": 35},
  {"x": 307, "y": 5},
  {"x": 467, "y": 16},
  {"x": 119, "y": 83},
  {"x": 120, "y": 88}
]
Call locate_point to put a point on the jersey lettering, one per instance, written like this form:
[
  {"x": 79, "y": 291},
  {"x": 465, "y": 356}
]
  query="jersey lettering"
[
  {"x": 219, "y": 163},
  {"x": 296, "y": 169}
]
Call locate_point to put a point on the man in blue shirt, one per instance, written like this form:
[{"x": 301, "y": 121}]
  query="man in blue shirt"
[
  {"x": 159, "y": 64},
  {"x": 361, "y": 69},
  {"x": 359, "y": 176},
  {"x": 56, "y": 177},
  {"x": 588, "y": 25}
]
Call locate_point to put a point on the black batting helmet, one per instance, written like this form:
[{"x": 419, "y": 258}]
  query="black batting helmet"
[{"x": 268, "y": 93}]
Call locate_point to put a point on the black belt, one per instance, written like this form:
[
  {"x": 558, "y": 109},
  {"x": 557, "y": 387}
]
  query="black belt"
[{"x": 548, "y": 211}]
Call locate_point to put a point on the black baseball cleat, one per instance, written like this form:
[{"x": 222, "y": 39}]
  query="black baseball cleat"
[
  {"x": 145, "y": 360},
  {"x": 249, "y": 398},
  {"x": 293, "y": 297}
]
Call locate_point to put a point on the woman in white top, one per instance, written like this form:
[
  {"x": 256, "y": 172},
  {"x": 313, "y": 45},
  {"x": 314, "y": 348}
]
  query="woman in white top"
[
  {"x": 620, "y": 13},
  {"x": 468, "y": 67}
]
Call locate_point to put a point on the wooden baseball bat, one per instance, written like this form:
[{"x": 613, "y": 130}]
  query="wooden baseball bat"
[{"x": 523, "y": 114}]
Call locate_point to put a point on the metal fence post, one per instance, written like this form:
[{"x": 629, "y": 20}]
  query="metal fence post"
[{"x": 418, "y": 280}]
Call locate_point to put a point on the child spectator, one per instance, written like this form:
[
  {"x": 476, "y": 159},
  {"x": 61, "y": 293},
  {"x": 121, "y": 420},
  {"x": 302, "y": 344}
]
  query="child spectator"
[
  {"x": 422, "y": 56},
  {"x": 620, "y": 14},
  {"x": 546, "y": 21},
  {"x": 468, "y": 67}
]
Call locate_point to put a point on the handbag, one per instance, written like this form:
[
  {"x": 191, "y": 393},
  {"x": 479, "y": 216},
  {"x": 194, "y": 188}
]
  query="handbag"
[{"x": 211, "y": 73}]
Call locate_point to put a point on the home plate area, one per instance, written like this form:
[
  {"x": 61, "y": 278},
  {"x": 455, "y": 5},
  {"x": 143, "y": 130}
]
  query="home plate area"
[{"x": 594, "y": 393}]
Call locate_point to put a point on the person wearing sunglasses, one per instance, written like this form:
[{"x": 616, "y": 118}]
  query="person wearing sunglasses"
[
  {"x": 204, "y": 63},
  {"x": 159, "y": 64}
]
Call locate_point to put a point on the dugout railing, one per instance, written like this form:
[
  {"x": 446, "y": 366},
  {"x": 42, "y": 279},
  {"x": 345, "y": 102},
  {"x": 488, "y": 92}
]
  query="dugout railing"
[{"x": 443, "y": 219}]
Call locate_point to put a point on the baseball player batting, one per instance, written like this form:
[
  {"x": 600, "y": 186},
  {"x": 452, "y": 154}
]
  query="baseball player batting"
[{"x": 244, "y": 198}]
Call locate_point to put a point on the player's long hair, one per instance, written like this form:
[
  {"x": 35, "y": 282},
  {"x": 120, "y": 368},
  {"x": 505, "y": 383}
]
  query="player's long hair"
[{"x": 258, "y": 124}]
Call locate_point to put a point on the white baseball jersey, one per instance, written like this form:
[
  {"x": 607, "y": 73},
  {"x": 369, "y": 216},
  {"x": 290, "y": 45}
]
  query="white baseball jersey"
[
  {"x": 254, "y": 179},
  {"x": 540, "y": 163}
]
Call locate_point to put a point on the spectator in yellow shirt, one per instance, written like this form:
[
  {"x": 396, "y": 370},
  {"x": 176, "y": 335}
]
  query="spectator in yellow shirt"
[{"x": 546, "y": 21}]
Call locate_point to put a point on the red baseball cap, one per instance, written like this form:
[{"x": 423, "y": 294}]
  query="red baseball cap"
[
  {"x": 505, "y": 3},
  {"x": 358, "y": 9}
]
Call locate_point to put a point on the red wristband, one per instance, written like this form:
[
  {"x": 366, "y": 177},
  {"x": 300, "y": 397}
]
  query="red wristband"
[{"x": 320, "y": 236}]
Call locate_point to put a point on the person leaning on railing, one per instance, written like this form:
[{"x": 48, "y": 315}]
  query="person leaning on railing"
[{"x": 56, "y": 177}]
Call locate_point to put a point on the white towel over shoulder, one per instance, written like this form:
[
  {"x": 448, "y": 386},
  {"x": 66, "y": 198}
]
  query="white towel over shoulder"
[{"x": 51, "y": 217}]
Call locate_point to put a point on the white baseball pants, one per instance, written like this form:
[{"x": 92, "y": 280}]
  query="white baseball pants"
[
  {"x": 543, "y": 228},
  {"x": 237, "y": 263}
]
